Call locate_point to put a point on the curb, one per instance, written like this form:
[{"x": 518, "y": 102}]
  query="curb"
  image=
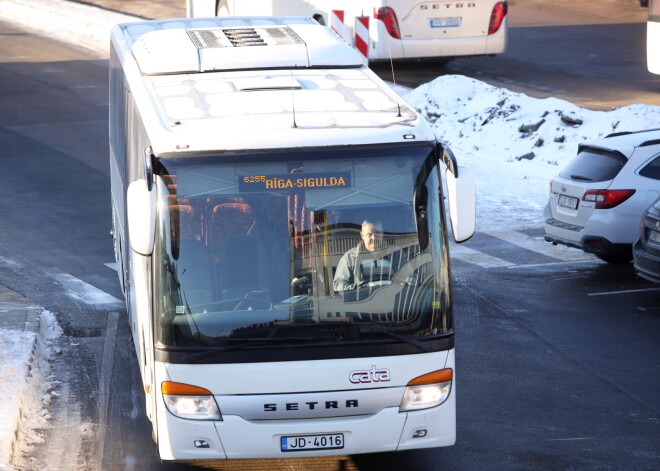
[
  {"x": 18, "y": 317},
  {"x": 17, "y": 313}
]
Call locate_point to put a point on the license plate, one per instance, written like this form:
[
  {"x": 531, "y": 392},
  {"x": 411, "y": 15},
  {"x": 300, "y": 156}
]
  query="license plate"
[
  {"x": 445, "y": 22},
  {"x": 333, "y": 441},
  {"x": 654, "y": 237},
  {"x": 568, "y": 202}
]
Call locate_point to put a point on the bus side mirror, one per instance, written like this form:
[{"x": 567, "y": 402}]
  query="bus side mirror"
[
  {"x": 141, "y": 210},
  {"x": 462, "y": 198}
]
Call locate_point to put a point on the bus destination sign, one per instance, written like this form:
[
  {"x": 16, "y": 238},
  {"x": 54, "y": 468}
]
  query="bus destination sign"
[{"x": 294, "y": 181}]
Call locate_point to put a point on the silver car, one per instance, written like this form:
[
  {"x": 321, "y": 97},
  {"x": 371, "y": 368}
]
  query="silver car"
[
  {"x": 646, "y": 251},
  {"x": 597, "y": 201}
]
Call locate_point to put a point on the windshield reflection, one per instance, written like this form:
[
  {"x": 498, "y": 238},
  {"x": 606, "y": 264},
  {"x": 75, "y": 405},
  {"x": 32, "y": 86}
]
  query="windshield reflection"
[{"x": 270, "y": 251}]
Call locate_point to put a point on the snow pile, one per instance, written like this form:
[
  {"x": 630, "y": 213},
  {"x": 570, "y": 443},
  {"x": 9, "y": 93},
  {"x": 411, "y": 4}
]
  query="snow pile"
[
  {"x": 26, "y": 388},
  {"x": 515, "y": 144}
]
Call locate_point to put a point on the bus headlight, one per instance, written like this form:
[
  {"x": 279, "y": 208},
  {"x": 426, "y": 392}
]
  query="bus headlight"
[
  {"x": 426, "y": 391},
  {"x": 190, "y": 402}
]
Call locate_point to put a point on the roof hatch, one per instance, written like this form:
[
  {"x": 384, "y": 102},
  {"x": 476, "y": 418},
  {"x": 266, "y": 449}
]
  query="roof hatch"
[{"x": 182, "y": 50}]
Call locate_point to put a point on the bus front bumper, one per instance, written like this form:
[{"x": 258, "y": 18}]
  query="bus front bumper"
[{"x": 237, "y": 438}]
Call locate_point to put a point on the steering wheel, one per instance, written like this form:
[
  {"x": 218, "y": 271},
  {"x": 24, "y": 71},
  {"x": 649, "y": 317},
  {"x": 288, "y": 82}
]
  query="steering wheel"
[{"x": 378, "y": 284}]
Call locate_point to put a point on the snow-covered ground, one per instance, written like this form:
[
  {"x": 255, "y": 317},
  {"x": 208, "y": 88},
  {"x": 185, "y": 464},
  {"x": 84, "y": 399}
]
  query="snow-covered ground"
[
  {"x": 513, "y": 143},
  {"x": 26, "y": 387}
]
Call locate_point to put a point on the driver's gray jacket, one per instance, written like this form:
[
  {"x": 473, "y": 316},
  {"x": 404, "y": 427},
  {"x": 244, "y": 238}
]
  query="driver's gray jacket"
[{"x": 346, "y": 277}]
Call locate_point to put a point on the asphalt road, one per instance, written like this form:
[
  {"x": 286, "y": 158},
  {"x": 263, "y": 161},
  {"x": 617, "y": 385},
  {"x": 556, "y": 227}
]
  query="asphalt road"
[{"x": 557, "y": 359}]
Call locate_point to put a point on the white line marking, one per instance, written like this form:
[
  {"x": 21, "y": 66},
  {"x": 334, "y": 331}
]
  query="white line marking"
[
  {"x": 111, "y": 266},
  {"x": 82, "y": 291},
  {"x": 567, "y": 439},
  {"x": 461, "y": 252},
  {"x": 582, "y": 260},
  {"x": 9, "y": 263},
  {"x": 539, "y": 245},
  {"x": 607, "y": 293}
]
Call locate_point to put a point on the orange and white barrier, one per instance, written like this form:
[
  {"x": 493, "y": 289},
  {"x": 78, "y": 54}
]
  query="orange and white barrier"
[
  {"x": 362, "y": 37},
  {"x": 338, "y": 26},
  {"x": 360, "y": 40}
]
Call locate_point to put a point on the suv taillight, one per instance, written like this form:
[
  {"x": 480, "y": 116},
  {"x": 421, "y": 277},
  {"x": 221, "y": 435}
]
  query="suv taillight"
[
  {"x": 387, "y": 16},
  {"x": 497, "y": 17},
  {"x": 607, "y": 199}
]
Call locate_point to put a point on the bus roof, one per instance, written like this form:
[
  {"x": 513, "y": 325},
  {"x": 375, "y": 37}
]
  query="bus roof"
[{"x": 256, "y": 83}]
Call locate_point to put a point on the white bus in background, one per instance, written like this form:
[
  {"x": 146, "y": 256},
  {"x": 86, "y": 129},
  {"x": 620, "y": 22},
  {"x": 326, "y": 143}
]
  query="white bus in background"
[
  {"x": 653, "y": 36},
  {"x": 398, "y": 29},
  {"x": 240, "y": 177}
]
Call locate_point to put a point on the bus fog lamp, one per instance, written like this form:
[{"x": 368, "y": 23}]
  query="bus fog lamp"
[
  {"x": 425, "y": 396},
  {"x": 193, "y": 407}
]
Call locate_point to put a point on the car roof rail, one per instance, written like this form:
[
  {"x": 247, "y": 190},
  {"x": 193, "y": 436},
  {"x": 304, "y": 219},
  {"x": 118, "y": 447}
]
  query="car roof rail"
[
  {"x": 652, "y": 142},
  {"x": 623, "y": 133}
]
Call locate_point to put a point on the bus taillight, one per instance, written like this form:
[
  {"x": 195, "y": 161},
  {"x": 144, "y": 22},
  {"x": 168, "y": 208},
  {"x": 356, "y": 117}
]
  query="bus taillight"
[
  {"x": 497, "y": 17},
  {"x": 387, "y": 16}
]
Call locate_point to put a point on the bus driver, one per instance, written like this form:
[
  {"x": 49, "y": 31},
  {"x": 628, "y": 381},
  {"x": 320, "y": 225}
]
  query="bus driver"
[{"x": 361, "y": 264}]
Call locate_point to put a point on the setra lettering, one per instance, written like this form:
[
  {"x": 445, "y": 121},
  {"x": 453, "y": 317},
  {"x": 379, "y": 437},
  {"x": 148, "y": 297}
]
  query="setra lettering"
[
  {"x": 295, "y": 406},
  {"x": 456, "y": 5}
]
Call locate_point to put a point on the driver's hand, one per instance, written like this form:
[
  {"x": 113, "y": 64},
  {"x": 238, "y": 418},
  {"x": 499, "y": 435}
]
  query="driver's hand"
[{"x": 412, "y": 279}]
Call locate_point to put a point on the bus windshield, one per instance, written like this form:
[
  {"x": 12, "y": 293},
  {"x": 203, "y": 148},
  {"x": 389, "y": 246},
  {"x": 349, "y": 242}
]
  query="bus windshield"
[{"x": 326, "y": 248}]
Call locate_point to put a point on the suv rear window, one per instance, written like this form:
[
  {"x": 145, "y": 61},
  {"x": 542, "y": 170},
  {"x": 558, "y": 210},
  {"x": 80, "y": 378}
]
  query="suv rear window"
[{"x": 594, "y": 165}]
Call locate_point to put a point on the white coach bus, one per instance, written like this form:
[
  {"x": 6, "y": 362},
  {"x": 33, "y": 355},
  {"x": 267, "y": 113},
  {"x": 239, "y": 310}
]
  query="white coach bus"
[
  {"x": 397, "y": 29},
  {"x": 653, "y": 37},
  {"x": 280, "y": 235}
]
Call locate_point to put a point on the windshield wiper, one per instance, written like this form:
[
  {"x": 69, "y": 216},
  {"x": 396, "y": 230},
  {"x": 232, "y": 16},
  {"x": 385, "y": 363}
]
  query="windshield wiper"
[
  {"x": 357, "y": 330},
  {"x": 379, "y": 328},
  {"x": 244, "y": 342},
  {"x": 581, "y": 178}
]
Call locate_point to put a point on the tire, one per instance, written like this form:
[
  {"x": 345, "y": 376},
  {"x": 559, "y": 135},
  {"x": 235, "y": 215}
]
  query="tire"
[{"x": 440, "y": 62}]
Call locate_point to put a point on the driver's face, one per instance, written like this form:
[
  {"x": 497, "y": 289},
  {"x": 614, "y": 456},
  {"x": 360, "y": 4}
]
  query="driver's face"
[{"x": 370, "y": 236}]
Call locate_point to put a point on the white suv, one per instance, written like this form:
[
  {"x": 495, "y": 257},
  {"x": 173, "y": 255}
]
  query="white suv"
[{"x": 597, "y": 201}]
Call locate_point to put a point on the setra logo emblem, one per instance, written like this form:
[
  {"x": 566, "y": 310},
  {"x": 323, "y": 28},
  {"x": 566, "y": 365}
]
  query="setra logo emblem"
[{"x": 373, "y": 375}]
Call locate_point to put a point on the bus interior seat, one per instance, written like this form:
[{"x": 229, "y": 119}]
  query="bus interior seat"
[
  {"x": 241, "y": 267},
  {"x": 229, "y": 219}
]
